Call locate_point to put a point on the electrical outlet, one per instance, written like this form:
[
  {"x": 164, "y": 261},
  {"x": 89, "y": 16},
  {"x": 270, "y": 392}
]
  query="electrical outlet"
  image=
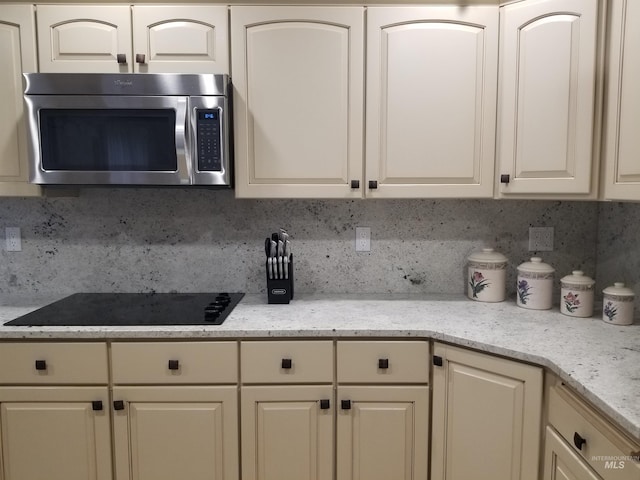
[
  {"x": 363, "y": 239},
  {"x": 541, "y": 239},
  {"x": 14, "y": 243}
]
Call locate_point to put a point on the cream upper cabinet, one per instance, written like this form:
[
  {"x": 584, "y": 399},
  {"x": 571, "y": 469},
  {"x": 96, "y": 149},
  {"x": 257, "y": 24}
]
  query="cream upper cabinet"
[
  {"x": 486, "y": 415},
  {"x": 431, "y": 101},
  {"x": 17, "y": 56},
  {"x": 84, "y": 38},
  {"x": 298, "y": 94},
  {"x": 547, "y": 101},
  {"x": 181, "y": 39},
  {"x": 166, "y": 39},
  {"x": 622, "y": 142}
]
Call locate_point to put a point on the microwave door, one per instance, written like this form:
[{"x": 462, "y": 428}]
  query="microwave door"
[{"x": 108, "y": 140}]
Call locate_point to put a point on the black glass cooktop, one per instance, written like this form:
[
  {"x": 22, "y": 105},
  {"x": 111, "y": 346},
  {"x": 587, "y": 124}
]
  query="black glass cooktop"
[{"x": 118, "y": 309}]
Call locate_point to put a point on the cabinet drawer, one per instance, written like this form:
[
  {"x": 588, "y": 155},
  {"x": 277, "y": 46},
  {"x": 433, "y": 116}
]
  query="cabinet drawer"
[
  {"x": 174, "y": 362},
  {"x": 53, "y": 363},
  {"x": 287, "y": 362},
  {"x": 604, "y": 446},
  {"x": 383, "y": 362}
]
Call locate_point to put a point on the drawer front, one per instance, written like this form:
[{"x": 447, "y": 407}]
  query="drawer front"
[
  {"x": 604, "y": 449},
  {"x": 383, "y": 362},
  {"x": 174, "y": 363},
  {"x": 53, "y": 363},
  {"x": 287, "y": 362}
]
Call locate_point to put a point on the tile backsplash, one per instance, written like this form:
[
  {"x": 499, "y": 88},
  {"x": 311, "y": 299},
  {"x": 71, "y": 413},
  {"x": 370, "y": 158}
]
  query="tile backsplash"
[{"x": 164, "y": 240}]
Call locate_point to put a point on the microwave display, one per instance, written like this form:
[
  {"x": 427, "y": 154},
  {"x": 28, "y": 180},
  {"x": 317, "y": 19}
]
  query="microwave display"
[{"x": 208, "y": 126}]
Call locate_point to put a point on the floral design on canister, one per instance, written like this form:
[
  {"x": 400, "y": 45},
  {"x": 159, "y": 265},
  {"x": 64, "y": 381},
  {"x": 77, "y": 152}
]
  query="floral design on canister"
[
  {"x": 610, "y": 311},
  {"x": 486, "y": 276},
  {"x": 523, "y": 291},
  {"x": 478, "y": 283},
  {"x": 576, "y": 292}
]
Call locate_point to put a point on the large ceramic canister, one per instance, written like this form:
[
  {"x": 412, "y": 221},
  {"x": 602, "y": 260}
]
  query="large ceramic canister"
[
  {"x": 617, "y": 305},
  {"x": 535, "y": 284},
  {"x": 576, "y": 294},
  {"x": 486, "y": 277}
]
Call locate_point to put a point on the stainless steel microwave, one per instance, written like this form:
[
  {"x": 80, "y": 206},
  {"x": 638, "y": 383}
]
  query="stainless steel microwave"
[{"x": 128, "y": 129}]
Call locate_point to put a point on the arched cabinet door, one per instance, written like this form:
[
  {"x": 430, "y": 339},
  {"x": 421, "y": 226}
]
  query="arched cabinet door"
[
  {"x": 622, "y": 142},
  {"x": 547, "y": 98},
  {"x": 431, "y": 101},
  {"x": 298, "y": 75},
  {"x": 180, "y": 39},
  {"x": 84, "y": 38}
]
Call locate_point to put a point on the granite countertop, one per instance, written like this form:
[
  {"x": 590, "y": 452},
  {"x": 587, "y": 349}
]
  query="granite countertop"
[{"x": 600, "y": 361}]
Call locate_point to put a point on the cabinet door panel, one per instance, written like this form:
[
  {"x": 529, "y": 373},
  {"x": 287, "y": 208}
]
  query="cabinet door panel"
[
  {"x": 164, "y": 433},
  {"x": 384, "y": 433},
  {"x": 298, "y": 75},
  {"x": 560, "y": 463},
  {"x": 54, "y": 434},
  {"x": 486, "y": 417},
  {"x": 431, "y": 74},
  {"x": 17, "y": 55},
  {"x": 548, "y": 96},
  {"x": 181, "y": 39},
  {"x": 622, "y": 139},
  {"x": 84, "y": 39},
  {"x": 285, "y": 433}
]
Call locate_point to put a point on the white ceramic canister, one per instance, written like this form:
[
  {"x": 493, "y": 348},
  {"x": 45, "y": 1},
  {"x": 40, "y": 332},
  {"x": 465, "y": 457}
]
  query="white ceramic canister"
[
  {"x": 576, "y": 295},
  {"x": 486, "y": 277},
  {"x": 535, "y": 284},
  {"x": 617, "y": 305}
]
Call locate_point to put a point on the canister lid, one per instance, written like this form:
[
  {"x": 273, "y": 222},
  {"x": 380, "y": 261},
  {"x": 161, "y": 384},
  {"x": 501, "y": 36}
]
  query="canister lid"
[
  {"x": 619, "y": 289},
  {"x": 488, "y": 255},
  {"x": 536, "y": 265},
  {"x": 578, "y": 277}
]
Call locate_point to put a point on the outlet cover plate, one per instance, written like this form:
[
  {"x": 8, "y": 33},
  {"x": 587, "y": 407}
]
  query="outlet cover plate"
[
  {"x": 541, "y": 239},
  {"x": 363, "y": 239},
  {"x": 14, "y": 242}
]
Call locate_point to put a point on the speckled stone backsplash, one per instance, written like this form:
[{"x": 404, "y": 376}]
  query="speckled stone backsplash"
[{"x": 139, "y": 240}]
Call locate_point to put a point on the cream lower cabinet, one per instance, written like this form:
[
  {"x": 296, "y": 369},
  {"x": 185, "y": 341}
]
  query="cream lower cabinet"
[
  {"x": 547, "y": 104},
  {"x": 561, "y": 463},
  {"x": 54, "y": 412},
  {"x": 287, "y": 430},
  {"x": 173, "y": 415},
  {"x": 298, "y": 76},
  {"x": 17, "y": 56},
  {"x": 486, "y": 417},
  {"x": 431, "y": 101},
  {"x": 622, "y": 142},
  {"x": 126, "y": 39}
]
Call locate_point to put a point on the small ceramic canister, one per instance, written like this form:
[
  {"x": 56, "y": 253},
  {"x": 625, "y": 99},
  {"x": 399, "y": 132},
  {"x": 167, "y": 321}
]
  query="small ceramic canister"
[
  {"x": 617, "y": 305},
  {"x": 535, "y": 284},
  {"x": 486, "y": 279},
  {"x": 576, "y": 291}
]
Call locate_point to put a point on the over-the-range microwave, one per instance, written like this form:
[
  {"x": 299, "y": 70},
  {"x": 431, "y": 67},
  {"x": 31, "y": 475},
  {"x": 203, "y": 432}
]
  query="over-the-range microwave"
[{"x": 128, "y": 129}]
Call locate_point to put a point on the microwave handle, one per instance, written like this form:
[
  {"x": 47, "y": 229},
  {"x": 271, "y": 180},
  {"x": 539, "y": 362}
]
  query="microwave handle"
[{"x": 181, "y": 134}]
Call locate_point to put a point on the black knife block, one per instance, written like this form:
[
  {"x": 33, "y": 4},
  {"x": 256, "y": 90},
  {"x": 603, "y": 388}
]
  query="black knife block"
[{"x": 280, "y": 290}]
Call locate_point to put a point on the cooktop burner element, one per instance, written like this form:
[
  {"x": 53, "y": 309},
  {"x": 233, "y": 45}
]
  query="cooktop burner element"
[{"x": 121, "y": 309}]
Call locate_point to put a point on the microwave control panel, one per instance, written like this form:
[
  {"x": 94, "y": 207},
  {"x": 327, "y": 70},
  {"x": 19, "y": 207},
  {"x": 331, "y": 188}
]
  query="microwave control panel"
[{"x": 208, "y": 138}]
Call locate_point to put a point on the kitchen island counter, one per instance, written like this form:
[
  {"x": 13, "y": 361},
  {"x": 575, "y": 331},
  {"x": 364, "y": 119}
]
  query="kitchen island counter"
[{"x": 600, "y": 361}]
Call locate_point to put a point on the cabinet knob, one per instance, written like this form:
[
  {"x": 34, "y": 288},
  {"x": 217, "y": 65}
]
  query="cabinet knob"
[
  {"x": 174, "y": 364},
  {"x": 325, "y": 404},
  {"x": 373, "y": 184},
  {"x": 118, "y": 405},
  {"x": 96, "y": 405},
  {"x": 505, "y": 178},
  {"x": 383, "y": 363},
  {"x": 41, "y": 364},
  {"x": 578, "y": 441},
  {"x": 121, "y": 58},
  {"x": 437, "y": 361},
  {"x": 345, "y": 404},
  {"x": 286, "y": 363},
  {"x": 140, "y": 58},
  {"x": 355, "y": 183}
]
